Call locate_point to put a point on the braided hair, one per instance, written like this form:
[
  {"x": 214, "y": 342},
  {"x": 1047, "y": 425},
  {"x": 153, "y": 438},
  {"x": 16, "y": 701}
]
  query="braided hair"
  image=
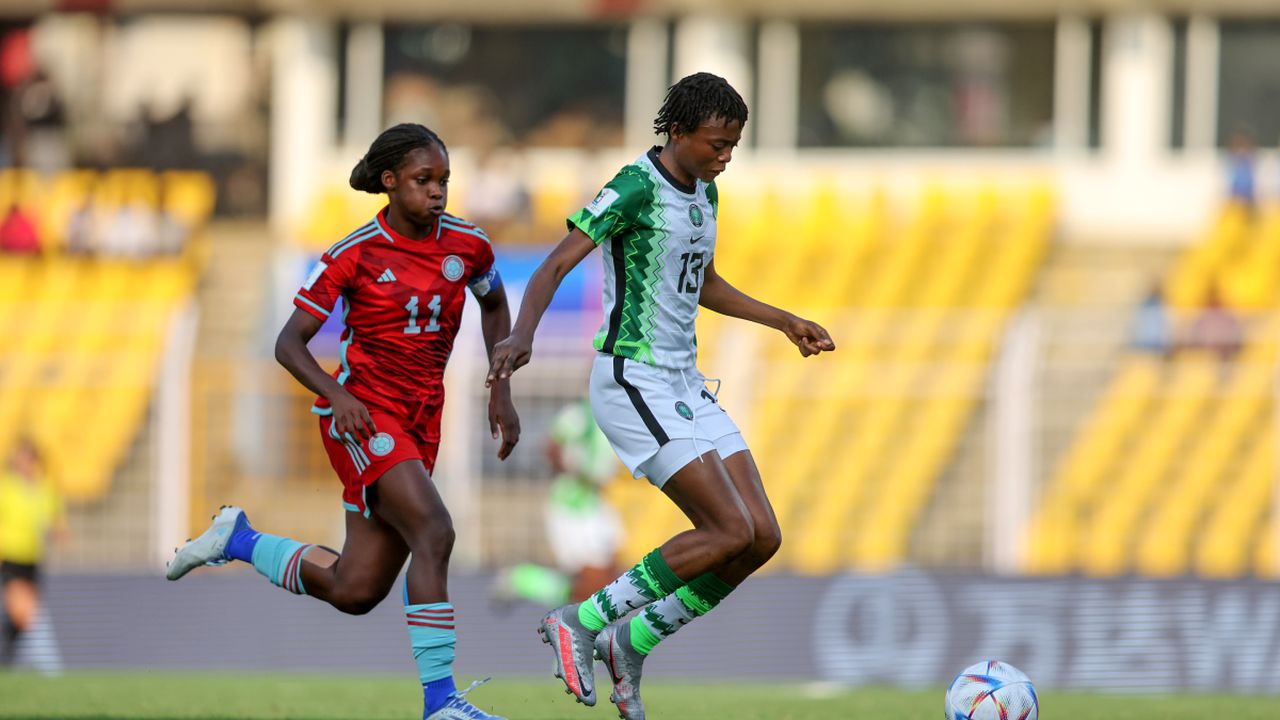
[
  {"x": 696, "y": 99},
  {"x": 388, "y": 151}
]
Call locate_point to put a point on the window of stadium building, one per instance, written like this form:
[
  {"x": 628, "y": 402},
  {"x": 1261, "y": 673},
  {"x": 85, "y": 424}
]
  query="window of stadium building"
[
  {"x": 912, "y": 85},
  {"x": 1249, "y": 82},
  {"x": 477, "y": 85}
]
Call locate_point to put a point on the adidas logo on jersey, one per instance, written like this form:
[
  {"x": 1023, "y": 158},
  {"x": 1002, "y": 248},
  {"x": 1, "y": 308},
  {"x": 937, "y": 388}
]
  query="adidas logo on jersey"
[{"x": 387, "y": 276}]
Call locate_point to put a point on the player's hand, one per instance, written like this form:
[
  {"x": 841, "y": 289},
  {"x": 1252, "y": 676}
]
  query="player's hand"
[
  {"x": 807, "y": 335},
  {"x": 503, "y": 420},
  {"x": 350, "y": 417},
  {"x": 508, "y": 356}
]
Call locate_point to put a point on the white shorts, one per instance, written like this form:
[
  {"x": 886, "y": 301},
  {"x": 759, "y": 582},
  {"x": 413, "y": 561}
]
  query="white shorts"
[{"x": 659, "y": 420}]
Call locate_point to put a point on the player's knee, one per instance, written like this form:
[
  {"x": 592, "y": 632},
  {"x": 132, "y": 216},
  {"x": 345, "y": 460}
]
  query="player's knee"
[
  {"x": 736, "y": 537},
  {"x": 767, "y": 541},
  {"x": 358, "y": 601},
  {"x": 435, "y": 536}
]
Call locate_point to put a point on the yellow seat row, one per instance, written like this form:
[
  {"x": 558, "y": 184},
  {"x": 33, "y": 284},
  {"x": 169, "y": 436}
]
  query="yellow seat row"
[{"x": 83, "y": 345}]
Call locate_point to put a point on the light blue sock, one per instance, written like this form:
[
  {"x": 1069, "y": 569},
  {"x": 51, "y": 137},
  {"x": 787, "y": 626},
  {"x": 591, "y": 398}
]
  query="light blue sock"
[
  {"x": 432, "y": 635},
  {"x": 279, "y": 560}
]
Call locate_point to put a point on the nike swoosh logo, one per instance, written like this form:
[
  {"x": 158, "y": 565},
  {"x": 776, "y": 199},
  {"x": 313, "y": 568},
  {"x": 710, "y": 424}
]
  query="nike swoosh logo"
[{"x": 694, "y": 240}]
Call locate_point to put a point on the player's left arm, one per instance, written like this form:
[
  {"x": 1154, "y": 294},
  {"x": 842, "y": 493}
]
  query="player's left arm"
[
  {"x": 719, "y": 296},
  {"x": 495, "y": 322}
]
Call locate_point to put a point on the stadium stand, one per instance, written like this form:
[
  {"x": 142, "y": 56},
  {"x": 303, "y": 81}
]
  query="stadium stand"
[{"x": 86, "y": 331}]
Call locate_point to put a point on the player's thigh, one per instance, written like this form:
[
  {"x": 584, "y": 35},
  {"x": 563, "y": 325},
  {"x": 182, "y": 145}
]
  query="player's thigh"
[
  {"x": 406, "y": 499},
  {"x": 705, "y": 492},
  {"x": 372, "y": 554},
  {"x": 746, "y": 479},
  {"x": 21, "y": 600}
]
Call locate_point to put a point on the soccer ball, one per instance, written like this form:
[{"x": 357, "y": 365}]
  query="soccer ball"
[{"x": 992, "y": 690}]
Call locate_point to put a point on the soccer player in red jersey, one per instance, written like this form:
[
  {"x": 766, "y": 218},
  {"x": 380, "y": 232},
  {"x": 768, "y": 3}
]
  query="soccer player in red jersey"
[{"x": 402, "y": 278}]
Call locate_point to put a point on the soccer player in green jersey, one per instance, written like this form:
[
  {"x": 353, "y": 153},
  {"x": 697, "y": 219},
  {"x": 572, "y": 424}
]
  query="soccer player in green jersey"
[{"x": 655, "y": 223}]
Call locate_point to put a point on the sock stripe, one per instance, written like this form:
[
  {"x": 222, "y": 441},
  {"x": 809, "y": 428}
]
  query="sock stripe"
[
  {"x": 450, "y": 626},
  {"x": 293, "y": 571}
]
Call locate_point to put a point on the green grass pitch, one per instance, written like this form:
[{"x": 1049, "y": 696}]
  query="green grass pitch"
[{"x": 218, "y": 696}]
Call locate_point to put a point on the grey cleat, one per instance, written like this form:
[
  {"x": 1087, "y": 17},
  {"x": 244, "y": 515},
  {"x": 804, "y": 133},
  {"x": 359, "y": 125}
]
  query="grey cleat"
[
  {"x": 209, "y": 548},
  {"x": 613, "y": 647},
  {"x": 571, "y": 642}
]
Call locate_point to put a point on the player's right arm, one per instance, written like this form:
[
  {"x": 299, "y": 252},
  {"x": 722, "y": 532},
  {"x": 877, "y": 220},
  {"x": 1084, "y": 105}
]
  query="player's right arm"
[
  {"x": 514, "y": 352},
  {"x": 609, "y": 214},
  {"x": 349, "y": 414}
]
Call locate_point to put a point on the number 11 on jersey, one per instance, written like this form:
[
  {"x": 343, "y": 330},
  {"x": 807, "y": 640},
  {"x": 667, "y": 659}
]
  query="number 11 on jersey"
[{"x": 432, "y": 325}]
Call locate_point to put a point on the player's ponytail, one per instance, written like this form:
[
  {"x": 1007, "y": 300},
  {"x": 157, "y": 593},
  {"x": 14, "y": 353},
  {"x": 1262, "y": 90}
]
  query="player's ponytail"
[{"x": 388, "y": 151}]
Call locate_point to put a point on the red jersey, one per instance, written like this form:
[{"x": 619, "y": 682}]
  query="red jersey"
[{"x": 403, "y": 304}]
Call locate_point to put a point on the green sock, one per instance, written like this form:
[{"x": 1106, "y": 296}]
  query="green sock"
[
  {"x": 652, "y": 578},
  {"x": 663, "y": 618}
]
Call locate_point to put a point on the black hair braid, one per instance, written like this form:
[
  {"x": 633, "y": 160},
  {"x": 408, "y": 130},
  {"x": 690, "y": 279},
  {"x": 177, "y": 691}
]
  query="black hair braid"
[
  {"x": 696, "y": 99},
  {"x": 388, "y": 151}
]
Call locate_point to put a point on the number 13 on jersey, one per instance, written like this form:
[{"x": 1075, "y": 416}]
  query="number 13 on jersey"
[
  {"x": 432, "y": 325},
  {"x": 690, "y": 272}
]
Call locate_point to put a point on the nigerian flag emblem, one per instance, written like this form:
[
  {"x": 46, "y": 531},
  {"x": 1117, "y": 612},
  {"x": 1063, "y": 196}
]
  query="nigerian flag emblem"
[{"x": 695, "y": 215}]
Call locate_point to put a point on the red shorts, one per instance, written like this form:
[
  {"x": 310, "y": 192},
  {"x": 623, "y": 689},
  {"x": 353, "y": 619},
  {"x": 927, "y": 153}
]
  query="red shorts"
[{"x": 359, "y": 463}]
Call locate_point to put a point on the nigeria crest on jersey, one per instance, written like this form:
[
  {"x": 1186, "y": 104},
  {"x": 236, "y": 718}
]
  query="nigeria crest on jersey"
[{"x": 695, "y": 215}]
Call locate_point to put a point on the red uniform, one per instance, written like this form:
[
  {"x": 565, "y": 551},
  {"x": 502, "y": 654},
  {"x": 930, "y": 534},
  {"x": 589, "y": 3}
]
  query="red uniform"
[{"x": 403, "y": 303}]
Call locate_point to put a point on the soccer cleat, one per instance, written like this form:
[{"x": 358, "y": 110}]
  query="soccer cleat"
[
  {"x": 457, "y": 707},
  {"x": 210, "y": 547},
  {"x": 613, "y": 647},
  {"x": 571, "y": 642}
]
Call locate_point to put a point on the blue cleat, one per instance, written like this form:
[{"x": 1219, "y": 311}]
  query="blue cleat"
[
  {"x": 457, "y": 707},
  {"x": 211, "y": 547}
]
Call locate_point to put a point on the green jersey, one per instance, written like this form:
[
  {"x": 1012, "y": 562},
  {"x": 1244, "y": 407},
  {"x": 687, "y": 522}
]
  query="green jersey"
[{"x": 658, "y": 235}]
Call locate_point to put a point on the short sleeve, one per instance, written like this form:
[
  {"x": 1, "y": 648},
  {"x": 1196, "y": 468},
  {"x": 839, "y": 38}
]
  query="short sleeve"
[
  {"x": 484, "y": 279},
  {"x": 614, "y": 209},
  {"x": 328, "y": 279},
  {"x": 713, "y": 197}
]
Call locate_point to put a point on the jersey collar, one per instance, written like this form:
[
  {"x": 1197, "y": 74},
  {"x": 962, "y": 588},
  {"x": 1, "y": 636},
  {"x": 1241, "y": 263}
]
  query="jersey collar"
[
  {"x": 394, "y": 236},
  {"x": 666, "y": 174}
]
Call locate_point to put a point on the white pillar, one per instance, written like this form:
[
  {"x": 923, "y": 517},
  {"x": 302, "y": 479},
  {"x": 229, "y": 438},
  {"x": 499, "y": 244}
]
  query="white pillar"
[
  {"x": 777, "y": 109},
  {"x": 1200, "y": 103},
  {"x": 1012, "y": 443},
  {"x": 363, "y": 106},
  {"x": 647, "y": 43},
  {"x": 171, "y": 430},
  {"x": 715, "y": 44},
  {"x": 1137, "y": 93},
  {"x": 1071, "y": 66},
  {"x": 304, "y": 90}
]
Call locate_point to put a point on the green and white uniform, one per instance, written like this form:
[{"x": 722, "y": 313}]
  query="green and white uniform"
[{"x": 657, "y": 236}]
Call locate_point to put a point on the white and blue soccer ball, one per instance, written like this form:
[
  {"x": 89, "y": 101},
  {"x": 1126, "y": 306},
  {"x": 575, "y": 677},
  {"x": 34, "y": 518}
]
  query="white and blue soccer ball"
[{"x": 992, "y": 690}]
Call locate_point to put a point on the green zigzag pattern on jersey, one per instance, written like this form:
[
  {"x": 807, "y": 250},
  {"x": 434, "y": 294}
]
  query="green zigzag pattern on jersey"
[{"x": 644, "y": 273}]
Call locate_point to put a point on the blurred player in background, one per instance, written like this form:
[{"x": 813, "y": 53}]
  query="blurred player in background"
[
  {"x": 583, "y": 529},
  {"x": 656, "y": 223},
  {"x": 402, "y": 277},
  {"x": 30, "y": 516}
]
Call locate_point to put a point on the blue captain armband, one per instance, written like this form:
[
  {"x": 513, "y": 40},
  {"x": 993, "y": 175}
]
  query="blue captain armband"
[{"x": 486, "y": 283}]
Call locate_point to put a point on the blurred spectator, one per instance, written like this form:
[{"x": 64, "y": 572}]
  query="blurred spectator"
[
  {"x": 582, "y": 527},
  {"x": 496, "y": 197},
  {"x": 30, "y": 516},
  {"x": 1151, "y": 327},
  {"x": 169, "y": 143},
  {"x": 132, "y": 230},
  {"x": 1216, "y": 329},
  {"x": 81, "y": 230},
  {"x": 1241, "y": 163},
  {"x": 18, "y": 233}
]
